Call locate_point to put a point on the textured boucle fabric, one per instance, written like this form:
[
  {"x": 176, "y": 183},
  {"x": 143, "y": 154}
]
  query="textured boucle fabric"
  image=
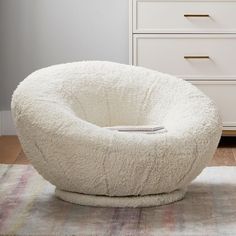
[{"x": 60, "y": 113}]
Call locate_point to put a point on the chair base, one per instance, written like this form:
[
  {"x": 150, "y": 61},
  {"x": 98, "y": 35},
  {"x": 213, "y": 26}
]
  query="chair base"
[{"x": 127, "y": 201}]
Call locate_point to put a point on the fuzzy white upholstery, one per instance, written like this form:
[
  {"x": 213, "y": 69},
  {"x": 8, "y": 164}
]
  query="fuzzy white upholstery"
[{"x": 59, "y": 113}]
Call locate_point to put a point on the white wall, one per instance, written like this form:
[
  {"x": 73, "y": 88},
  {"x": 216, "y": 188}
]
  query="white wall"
[{"x": 38, "y": 33}]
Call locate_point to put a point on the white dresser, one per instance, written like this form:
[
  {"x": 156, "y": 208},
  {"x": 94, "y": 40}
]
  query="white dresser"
[{"x": 192, "y": 39}]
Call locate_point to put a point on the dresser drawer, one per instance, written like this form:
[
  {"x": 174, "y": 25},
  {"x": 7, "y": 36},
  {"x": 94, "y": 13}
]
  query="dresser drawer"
[
  {"x": 194, "y": 57},
  {"x": 224, "y": 95},
  {"x": 154, "y": 16}
]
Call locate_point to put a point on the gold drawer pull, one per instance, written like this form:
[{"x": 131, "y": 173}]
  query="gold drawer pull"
[
  {"x": 196, "y": 57},
  {"x": 196, "y": 15}
]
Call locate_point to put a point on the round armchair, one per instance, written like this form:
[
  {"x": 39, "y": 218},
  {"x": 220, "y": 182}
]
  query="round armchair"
[{"x": 60, "y": 113}]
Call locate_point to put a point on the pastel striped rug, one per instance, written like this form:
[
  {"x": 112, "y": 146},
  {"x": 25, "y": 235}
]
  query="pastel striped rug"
[{"x": 28, "y": 207}]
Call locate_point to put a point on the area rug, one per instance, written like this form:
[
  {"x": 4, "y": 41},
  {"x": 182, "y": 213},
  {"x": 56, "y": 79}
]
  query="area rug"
[{"x": 28, "y": 207}]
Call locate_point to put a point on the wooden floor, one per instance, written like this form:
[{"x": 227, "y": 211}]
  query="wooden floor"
[{"x": 11, "y": 152}]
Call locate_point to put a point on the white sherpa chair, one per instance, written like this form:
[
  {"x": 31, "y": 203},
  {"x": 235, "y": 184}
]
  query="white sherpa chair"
[{"x": 60, "y": 114}]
